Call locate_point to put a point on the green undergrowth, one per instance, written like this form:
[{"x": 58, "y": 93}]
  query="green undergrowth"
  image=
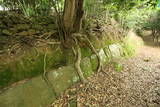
[
  {"x": 117, "y": 66},
  {"x": 130, "y": 46}
]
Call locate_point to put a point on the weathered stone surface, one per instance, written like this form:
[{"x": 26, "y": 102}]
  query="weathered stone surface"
[
  {"x": 107, "y": 52},
  {"x": 62, "y": 78},
  {"x": 33, "y": 93},
  {"x": 96, "y": 42},
  {"x": 102, "y": 56},
  {"x": 120, "y": 49},
  {"x": 68, "y": 56},
  {"x": 94, "y": 62},
  {"x": 86, "y": 67},
  {"x": 29, "y": 65},
  {"x": 115, "y": 50},
  {"x": 36, "y": 92}
]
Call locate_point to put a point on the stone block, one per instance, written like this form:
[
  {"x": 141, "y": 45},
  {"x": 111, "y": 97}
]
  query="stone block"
[
  {"x": 115, "y": 50},
  {"x": 86, "y": 67},
  {"x": 32, "y": 93},
  {"x": 94, "y": 62},
  {"x": 62, "y": 78},
  {"x": 103, "y": 56}
]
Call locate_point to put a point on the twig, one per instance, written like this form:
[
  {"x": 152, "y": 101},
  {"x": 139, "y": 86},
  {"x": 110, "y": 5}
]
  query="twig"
[{"x": 49, "y": 42}]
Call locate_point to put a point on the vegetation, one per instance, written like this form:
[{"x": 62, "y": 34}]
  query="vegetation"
[{"x": 80, "y": 24}]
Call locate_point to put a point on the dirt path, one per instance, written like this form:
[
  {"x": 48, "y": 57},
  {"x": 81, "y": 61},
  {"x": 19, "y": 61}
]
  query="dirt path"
[{"x": 137, "y": 85}]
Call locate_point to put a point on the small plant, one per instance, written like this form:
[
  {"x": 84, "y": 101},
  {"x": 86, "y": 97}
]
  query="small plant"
[
  {"x": 26, "y": 9},
  {"x": 130, "y": 44},
  {"x": 128, "y": 47},
  {"x": 117, "y": 66}
]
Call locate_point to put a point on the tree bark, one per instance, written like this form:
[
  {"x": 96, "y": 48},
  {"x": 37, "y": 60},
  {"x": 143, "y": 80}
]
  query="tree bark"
[
  {"x": 69, "y": 11},
  {"x": 78, "y": 15},
  {"x": 73, "y": 12}
]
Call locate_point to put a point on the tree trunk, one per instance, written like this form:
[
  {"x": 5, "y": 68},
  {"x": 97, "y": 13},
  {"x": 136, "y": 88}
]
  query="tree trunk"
[
  {"x": 69, "y": 11},
  {"x": 73, "y": 12},
  {"x": 78, "y": 16}
]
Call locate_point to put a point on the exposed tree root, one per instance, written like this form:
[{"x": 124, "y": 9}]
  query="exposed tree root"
[
  {"x": 99, "y": 67},
  {"x": 45, "y": 76},
  {"x": 77, "y": 52}
]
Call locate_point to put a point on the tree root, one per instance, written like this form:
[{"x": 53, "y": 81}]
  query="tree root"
[
  {"x": 45, "y": 76},
  {"x": 77, "y": 53},
  {"x": 99, "y": 67}
]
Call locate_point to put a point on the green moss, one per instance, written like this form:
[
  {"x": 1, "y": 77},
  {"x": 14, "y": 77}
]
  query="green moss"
[
  {"x": 109, "y": 42},
  {"x": 5, "y": 77},
  {"x": 117, "y": 66},
  {"x": 107, "y": 53},
  {"x": 55, "y": 59},
  {"x": 86, "y": 52},
  {"x": 29, "y": 66},
  {"x": 68, "y": 56},
  {"x": 86, "y": 67},
  {"x": 96, "y": 42},
  {"x": 94, "y": 62}
]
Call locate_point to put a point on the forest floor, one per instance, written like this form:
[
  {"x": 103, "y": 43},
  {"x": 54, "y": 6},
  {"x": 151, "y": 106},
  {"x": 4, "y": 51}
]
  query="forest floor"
[{"x": 137, "y": 85}]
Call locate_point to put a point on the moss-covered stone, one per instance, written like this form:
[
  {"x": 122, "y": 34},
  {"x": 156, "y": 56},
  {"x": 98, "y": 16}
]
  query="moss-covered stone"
[
  {"x": 115, "y": 50},
  {"x": 68, "y": 56},
  {"x": 30, "y": 65},
  {"x": 94, "y": 62},
  {"x": 103, "y": 56},
  {"x": 55, "y": 58},
  {"x": 25, "y": 67},
  {"x": 96, "y": 42},
  {"x": 33, "y": 93},
  {"x": 86, "y": 67},
  {"x": 62, "y": 78},
  {"x": 86, "y": 52},
  {"x": 107, "y": 52}
]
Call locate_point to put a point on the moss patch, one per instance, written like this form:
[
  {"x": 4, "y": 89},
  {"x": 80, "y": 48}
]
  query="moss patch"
[
  {"x": 86, "y": 67},
  {"x": 29, "y": 65}
]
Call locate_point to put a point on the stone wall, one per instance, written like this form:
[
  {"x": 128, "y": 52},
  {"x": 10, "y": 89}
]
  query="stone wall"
[{"x": 37, "y": 93}]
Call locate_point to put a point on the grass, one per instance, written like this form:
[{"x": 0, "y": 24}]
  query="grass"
[{"x": 130, "y": 44}]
